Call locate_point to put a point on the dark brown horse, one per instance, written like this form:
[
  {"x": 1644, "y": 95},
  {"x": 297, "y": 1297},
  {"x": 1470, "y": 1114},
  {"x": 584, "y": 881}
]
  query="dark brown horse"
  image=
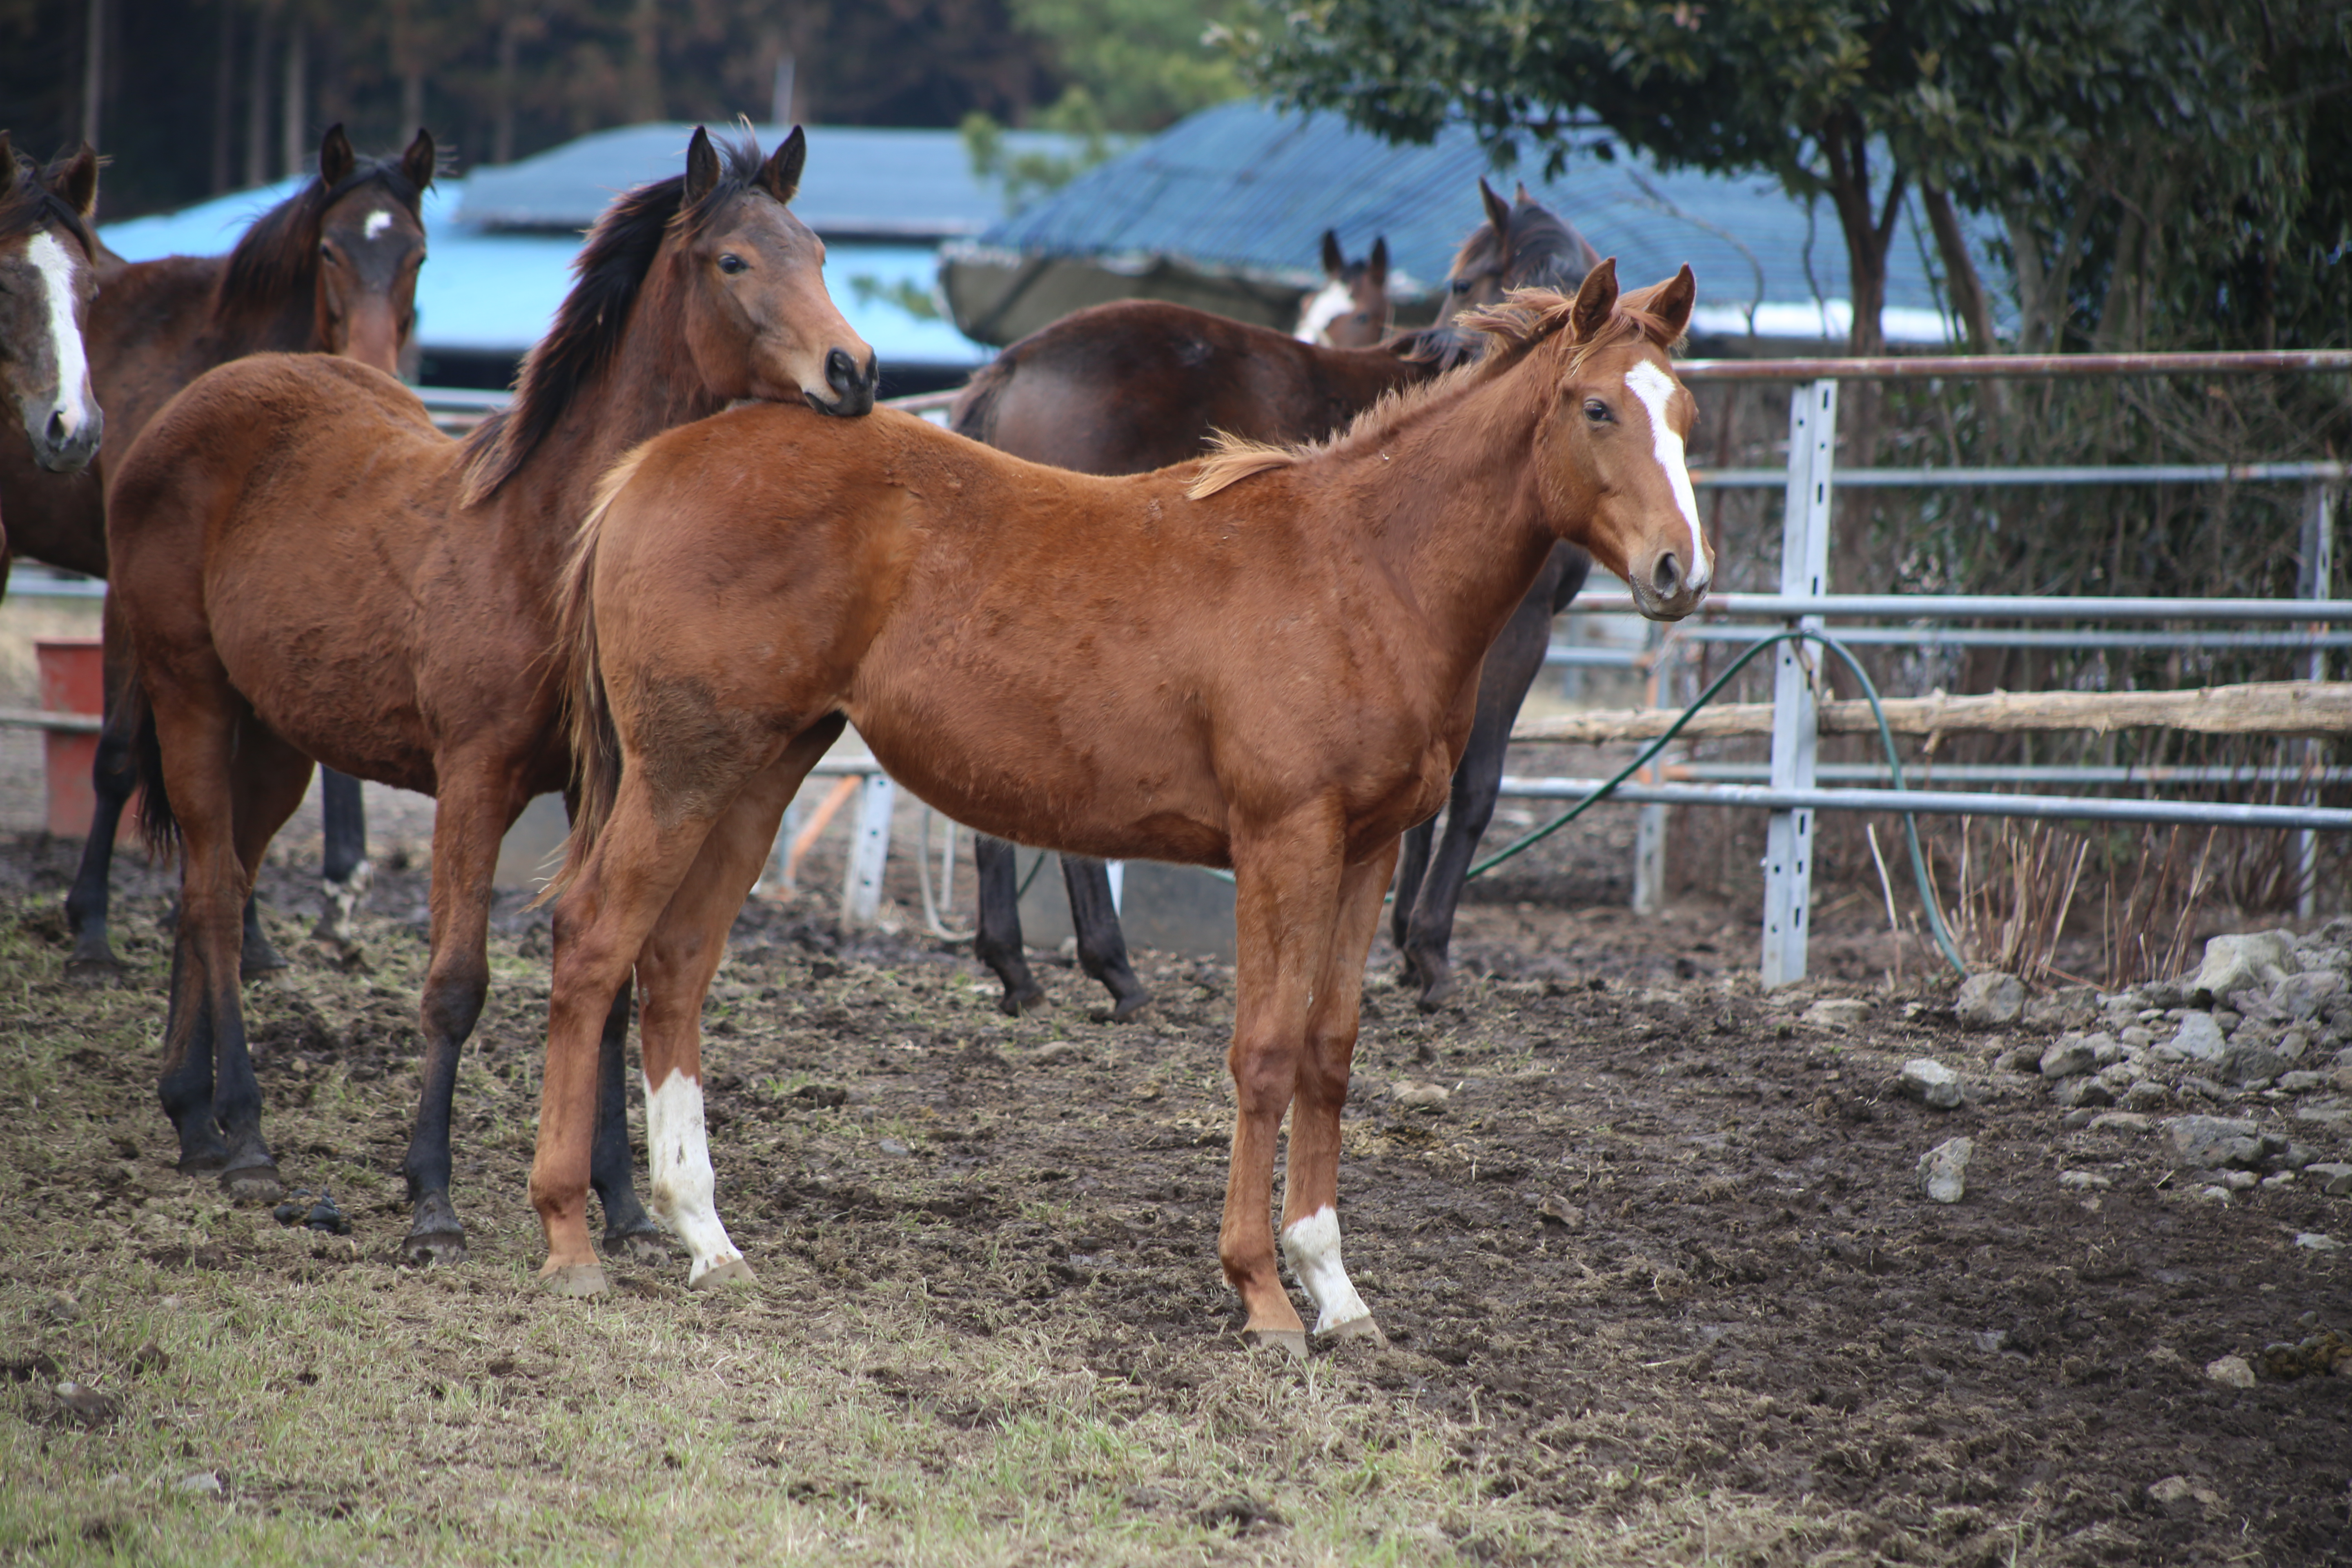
[
  {"x": 1267, "y": 661},
  {"x": 310, "y": 571},
  {"x": 1352, "y": 309},
  {"x": 47, "y": 282},
  {"x": 330, "y": 269},
  {"x": 1127, "y": 388}
]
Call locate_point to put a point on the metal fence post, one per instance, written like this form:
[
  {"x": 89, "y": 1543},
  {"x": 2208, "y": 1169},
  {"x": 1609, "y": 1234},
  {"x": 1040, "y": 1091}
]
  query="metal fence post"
[
  {"x": 869, "y": 852},
  {"x": 2319, "y": 570},
  {"x": 1804, "y": 563},
  {"x": 1650, "y": 821}
]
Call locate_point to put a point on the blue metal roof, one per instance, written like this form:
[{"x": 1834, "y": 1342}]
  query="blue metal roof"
[
  {"x": 907, "y": 185},
  {"x": 1246, "y": 188}
]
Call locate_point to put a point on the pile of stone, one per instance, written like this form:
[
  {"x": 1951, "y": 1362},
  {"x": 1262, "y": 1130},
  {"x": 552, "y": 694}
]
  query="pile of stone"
[{"x": 2265, "y": 1023}]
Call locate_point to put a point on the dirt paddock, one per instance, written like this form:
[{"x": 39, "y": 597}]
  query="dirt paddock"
[{"x": 1657, "y": 1283}]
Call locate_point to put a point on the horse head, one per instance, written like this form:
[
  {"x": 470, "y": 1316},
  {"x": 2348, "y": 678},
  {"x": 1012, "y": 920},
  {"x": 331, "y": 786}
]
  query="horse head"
[
  {"x": 749, "y": 277},
  {"x": 1351, "y": 311},
  {"x": 1609, "y": 452},
  {"x": 47, "y": 284},
  {"x": 371, "y": 245},
  {"x": 1523, "y": 244}
]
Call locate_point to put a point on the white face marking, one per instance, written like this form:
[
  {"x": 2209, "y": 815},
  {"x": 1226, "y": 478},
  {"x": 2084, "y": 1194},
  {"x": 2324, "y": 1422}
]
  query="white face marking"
[
  {"x": 1654, "y": 387},
  {"x": 377, "y": 221},
  {"x": 680, "y": 1156},
  {"x": 1323, "y": 307},
  {"x": 54, "y": 265},
  {"x": 1312, "y": 1246}
]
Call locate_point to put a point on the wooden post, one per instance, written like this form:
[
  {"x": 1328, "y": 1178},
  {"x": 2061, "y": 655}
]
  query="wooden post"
[
  {"x": 869, "y": 852},
  {"x": 1804, "y": 568}
]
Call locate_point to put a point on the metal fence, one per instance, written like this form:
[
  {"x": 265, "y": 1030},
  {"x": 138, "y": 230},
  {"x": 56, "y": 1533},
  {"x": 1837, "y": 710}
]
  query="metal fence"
[{"x": 1794, "y": 784}]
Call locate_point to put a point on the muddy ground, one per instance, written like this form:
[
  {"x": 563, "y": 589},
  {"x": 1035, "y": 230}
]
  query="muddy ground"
[{"x": 1661, "y": 1242}]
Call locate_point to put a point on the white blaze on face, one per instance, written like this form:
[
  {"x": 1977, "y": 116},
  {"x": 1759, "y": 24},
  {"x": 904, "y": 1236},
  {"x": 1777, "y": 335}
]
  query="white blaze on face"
[
  {"x": 377, "y": 221},
  {"x": 1314, "y": 317},
  {"x": 680, "y": 1156},
  {"x": 53, "y": 264},
  {"x": 1654, "y": 387},
  {"x": 1312, "y": 1246}
]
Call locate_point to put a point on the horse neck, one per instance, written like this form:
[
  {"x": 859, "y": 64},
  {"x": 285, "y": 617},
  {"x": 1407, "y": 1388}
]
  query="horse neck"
[
  {"x": 1358, "y": 378},
  {"x": 648, "y": 385},
  {"x": 285, "y": 325}
]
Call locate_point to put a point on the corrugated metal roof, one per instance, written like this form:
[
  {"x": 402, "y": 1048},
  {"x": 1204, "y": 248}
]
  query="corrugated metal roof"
[
  {"x": 1247, "y": 188},
  {"x": 903, "y": 185}
]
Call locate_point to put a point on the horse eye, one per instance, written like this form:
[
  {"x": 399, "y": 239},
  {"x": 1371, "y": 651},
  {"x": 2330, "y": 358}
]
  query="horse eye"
[
  {"x": 731, "y": 264},
  {"x": 1596, "y": 411}
]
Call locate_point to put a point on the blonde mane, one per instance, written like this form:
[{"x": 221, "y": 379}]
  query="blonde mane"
[{"x": 1512, "y": 329}]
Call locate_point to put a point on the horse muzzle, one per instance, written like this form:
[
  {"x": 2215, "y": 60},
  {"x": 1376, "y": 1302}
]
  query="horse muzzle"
[
  {"x": 852, "y": 387},
  {"x": 64, "y": 446},
  {"x": 1667, "y": 589}
]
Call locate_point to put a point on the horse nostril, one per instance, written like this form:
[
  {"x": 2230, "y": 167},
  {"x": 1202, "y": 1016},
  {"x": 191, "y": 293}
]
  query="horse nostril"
[
  {"x": 1667, "y": 576},
  {"x": 841, "y": 372},
  {"x": 59, "y": 435}
]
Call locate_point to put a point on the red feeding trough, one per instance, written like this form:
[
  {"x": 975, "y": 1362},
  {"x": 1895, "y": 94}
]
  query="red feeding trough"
[{"x": 73, "y": 687}]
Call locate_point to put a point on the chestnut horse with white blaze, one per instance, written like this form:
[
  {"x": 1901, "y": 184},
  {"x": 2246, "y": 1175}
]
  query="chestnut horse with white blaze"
[
  {"x": 47, "y": 282},
  {"x": 310, "y": 572},
  {"x": 1265, "y": 659}
]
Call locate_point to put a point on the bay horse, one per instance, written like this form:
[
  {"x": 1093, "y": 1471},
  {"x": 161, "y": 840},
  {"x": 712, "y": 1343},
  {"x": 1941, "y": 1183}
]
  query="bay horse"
[
  {"x": 1127, "y": 387},
  {"x": 310, "y": 571},
  {"x": 330, "y": 269},
  {"x": 47, "y": 282},
  {"x": 1352, "y": 309},
  {"x": 1267, "y": 659}
]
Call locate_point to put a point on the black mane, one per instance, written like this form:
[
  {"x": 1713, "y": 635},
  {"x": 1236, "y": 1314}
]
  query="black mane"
[
  {"x": 609, "y": 272},
  {"x": 278, "y": 258},
  {"x": 30, "y": 204}
]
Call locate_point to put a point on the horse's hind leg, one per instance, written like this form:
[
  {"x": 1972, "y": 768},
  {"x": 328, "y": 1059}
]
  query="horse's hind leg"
[
  {"x": 476, "y": 807},
  {"x": 1413, "y": 865},
  {"x": 611, "y": 1170},
  {"x": 997, "y": 942},
  {"x": 347, "y": 871},
  {"x": 1310, "y": 1219},
  {"x": 1102, "y": 945}
]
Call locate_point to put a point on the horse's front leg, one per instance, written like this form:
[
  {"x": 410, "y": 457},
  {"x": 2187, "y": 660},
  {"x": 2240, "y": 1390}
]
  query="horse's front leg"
[
  {"x": 1102, "y": 945},
  {"x": 1310, "y": 1218},
  {"x": 997, "y": 940},
  {"x": 1288, "y": 882},
  {"x": 346, "y": 873}
]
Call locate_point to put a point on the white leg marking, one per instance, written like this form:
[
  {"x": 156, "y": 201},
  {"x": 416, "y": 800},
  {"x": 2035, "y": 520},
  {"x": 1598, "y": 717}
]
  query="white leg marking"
[
  {"x": 1654, "y": 387},
  {"x": 680, "y": 1157},
  {"x": 1322, "y": 309},
  {"x": 1313, "y": 1247},
  {"x": 377, "y": 221},
  {"x": 55, "y": 266}
]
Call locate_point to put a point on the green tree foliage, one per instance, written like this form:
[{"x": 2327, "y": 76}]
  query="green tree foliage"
[{"x": 2154, "y": 162}]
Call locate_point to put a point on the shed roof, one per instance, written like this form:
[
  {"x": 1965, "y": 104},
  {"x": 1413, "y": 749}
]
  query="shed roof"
[
  {"x": 1247, "y": 188},
  {"x": 908, "y": 185}
]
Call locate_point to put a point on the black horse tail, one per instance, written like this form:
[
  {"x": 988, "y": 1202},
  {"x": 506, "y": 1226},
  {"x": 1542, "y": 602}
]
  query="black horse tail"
[{"x": 157, "y": 824}]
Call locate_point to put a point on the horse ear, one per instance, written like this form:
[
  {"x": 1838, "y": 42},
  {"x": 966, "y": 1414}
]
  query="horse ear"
[
  {"x": 75, "y": 184},
  {"x": 1498, "y": 213},
  {"x": 1521, "y": 196},
  {"x": 336, "y": 159},
  {"x": 1377, "y": 269},
  {"x": 1335, "y": 260},
  {"x": 1595, "y": 300},
  {"x": 701, "y": 166},
  {"x": 1671, "y": 302},
  {"x": 782, "y": 173},
  {"x": 419, "y": 162}
]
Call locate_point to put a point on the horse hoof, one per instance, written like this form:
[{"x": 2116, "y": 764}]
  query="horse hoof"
[
  {"x": 254, "y": 965},
  {"x": 253, "y": 1185},
  {"x": 1292, "y": 1340},
  {"x": 1437, "y": 993},
  {"x": 1014, "y": 1004},
  {"x": 645, "y": 1246},
  {"x": 1126, "y": 1007},
  {"x": 1363, "y": 1328},
  {"x": 734, "y": 1271},
  {"x": 425, "y": 1248},
  {"x": 94, "y": 971},
  {"x": 575, "y": 1279},
  {"x": 203, "y": 1159}
]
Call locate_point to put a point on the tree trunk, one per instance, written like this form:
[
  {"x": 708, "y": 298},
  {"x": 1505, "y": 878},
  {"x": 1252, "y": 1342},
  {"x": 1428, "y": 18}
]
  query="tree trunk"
[
  {"x": 256, "y": 105},
  {"x": 93, "y": 71},
  {"x": 224, "y": 100},
  {"x": 1959, "y": 269},
  {"x": 297, "y": 125},
  {"x": 643, "y": 75}
]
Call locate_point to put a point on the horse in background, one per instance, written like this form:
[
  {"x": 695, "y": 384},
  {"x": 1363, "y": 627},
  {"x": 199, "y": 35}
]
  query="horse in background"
[
  {"x": 48, "y": 281},
  {"x": 1267, "y": 659},
  {"x": 1352, "y": 309},
  {"x": 1127, "y": 387},
  {"x": 310, "y": 571},
  {"x": 330, "y": 269}
]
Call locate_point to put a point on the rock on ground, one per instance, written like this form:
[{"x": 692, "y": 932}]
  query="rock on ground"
[
  {"x": 2200, "y": 1038},
  {"x": 2233, "y": 1370},
  {"x": 1943, "y": 1169},
  {"x": 1931, "y": 1083},
  {"x": 2238, "y": 962},
  {"x": 1838, "y": 1011},
  {"x": 1988, "y": 1001},
  {"x": 2205, "y": 1143}
]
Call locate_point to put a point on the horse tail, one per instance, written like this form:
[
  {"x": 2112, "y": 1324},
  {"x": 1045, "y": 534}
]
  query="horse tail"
[
  {"x": 588, "y": 712},
  {"x": 157, "y": 824}
]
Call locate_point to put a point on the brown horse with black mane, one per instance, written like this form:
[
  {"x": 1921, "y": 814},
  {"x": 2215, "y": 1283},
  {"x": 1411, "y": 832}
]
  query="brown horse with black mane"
[
  {"x": 309, "y": 570},
  {"x": 1129, "y": 387},
  {"x": 330, "y": 269},
  {"x": 1267, "y": 660},
  {"x": 47, "y": 282}
]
